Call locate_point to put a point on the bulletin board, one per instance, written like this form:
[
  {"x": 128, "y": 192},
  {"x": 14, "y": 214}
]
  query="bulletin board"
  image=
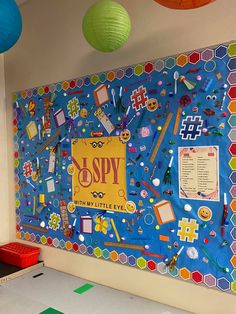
[{"x": 135, "y": 165}]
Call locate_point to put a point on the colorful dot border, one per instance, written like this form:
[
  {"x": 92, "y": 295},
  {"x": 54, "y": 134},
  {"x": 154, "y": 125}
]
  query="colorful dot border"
[{"x": 219, "y": 51}]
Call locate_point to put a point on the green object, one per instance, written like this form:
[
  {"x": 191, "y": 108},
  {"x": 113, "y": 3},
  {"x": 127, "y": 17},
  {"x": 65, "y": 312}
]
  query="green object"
[
  {"x": 83, "y": 288},
  {"x": 106, "y": 25},
  {"x": 50, "y": 310}
]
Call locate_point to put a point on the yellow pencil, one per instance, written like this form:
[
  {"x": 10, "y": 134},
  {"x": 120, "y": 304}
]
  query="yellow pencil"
[{"x": 115, "y": 230}]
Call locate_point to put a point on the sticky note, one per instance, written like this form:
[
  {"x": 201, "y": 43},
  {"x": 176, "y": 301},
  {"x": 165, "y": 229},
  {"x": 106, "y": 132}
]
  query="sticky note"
[
  {"x": 83, "y": 288},
  {"x": 164, "y": 238},
  {"x": 41, "y": 198},
  {"x": 31, "y": 129}
]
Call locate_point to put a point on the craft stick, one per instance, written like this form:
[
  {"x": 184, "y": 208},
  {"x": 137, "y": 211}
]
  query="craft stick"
[
  {"x": 23, "y": 109},
  {"x": 178, "y": 115},
  {"x": 125, "y": 245},
  {"x": 34, "y": 227},
  {"x": 152, "y": 254},
  {"x": 115, "y": 229},
  {"x": 160, "y": 138},
  {"x": 149, "y": 187},
  {"x": 49, "y": 141},
  {"x": 34, "y": 205},
  {"x": 79, "y": 91}
]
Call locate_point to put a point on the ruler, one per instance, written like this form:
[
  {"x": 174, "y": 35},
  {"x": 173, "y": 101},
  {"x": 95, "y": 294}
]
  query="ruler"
[
  {"x": 34, "y": 227},
  {"x": 125, "y": 245},
  {"x": 178, "y": 115},
  {"x": 49, "y": 141},
  {"x": 161, "y": 137}
]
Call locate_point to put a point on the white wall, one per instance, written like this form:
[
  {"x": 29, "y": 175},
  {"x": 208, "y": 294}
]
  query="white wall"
[
  {"x": 52, "y": 49},
  {"x": 4, "y": 210}
]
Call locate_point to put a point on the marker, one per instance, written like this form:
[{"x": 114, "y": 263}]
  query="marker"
[
  {"x": 223, "y": 100},
  {"x": 131, "y": 119},
  {"x": 224, "y": 216},
  {"x": 124, "y": 123},
  {"x": 73, "y": 228}
]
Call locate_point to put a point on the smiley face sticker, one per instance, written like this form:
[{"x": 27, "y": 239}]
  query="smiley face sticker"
[
  {"x": 130, "y": 207},
  {"x": 204, "y": 213},
  {"x": 152, "y": 104},
  {"x": 125, "y": 135}
]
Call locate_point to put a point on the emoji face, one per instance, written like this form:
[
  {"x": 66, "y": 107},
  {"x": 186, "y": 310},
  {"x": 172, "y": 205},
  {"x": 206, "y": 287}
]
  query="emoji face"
[
  {"x": 204, "y": 213},
  {"x": 125, "y": 135},
  {"x": 83, "y": 113},
  {"x": 130, "y": 207},
  {"x": 152, "y": 104},
  {"x": 71, "y": 207}
]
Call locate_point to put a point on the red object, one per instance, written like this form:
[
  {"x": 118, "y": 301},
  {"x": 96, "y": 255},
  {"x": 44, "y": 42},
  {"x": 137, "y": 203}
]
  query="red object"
[
  {"x": 194, "y": 57},
  {"x": 183, "y": 4},
  {"x": 149, "y": 187},
  {"x": 97, "y": 133},
  {"x": 232, "y": 92},
  {"x": 197, "y": 277},
  {"x": 79, "y": 91},
  {"x": 19, "y": 254},
  {"x": 232, "y": 149}
]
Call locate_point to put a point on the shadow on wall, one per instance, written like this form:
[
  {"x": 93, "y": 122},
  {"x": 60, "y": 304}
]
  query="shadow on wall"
[{"x": 155, "y": 46}]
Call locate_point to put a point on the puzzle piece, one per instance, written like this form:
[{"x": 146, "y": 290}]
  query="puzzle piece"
[
  {"x": 27, "y": 169},
  {"x": 191, "y": 128},
  {"x": 139, "y": 98},
  {"x": 187, "y": 231},
  {"x": 73, "y": 108},
  {"x": 54, "y": 222}
]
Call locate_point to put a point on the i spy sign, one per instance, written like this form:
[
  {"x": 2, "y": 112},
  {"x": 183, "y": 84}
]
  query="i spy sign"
[{"x": 99, "y": 173}]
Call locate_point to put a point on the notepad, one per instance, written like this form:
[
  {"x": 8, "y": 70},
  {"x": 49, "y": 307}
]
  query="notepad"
[
  {"x": 101, "y": 95},
  {"x": 50, "y": 184},
  {"x": 164, "y": 212},
  {"x": 31, "y": 129},
  {"x": 59, "y": 117},
  {"x": 86, "y": 224}
]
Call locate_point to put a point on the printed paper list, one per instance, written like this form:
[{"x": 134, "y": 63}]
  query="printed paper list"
[{"x": 199, "y": 173}]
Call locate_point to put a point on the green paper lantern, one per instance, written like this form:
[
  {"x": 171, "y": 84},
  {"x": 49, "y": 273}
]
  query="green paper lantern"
[{"x": 106, "y": 25}]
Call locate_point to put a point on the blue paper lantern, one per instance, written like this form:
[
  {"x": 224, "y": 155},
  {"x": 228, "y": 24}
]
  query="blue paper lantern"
[{"x": 10, "y": 24}]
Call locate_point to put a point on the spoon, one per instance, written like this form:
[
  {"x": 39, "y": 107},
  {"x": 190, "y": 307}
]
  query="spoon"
[{"x": 176, "y": 77}]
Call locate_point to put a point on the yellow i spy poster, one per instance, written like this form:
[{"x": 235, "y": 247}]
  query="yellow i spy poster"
[{"x": 99, "y": 177}]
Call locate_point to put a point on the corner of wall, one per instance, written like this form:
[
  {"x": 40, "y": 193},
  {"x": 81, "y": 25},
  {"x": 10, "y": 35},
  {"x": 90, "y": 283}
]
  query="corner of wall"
[{"x": 4, "y": 213}]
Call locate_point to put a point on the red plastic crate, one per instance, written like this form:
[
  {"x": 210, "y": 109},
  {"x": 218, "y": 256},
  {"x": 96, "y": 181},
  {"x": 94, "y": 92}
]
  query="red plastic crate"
[{"x": 19, "y": 254}]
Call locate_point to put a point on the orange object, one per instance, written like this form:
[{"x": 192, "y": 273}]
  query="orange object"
[
  {"x": 18, "y": 254},
  {"x": 164, "y": 212},
  {"x": 164, "y": 238},
  {"x": 183, "y": 4}
]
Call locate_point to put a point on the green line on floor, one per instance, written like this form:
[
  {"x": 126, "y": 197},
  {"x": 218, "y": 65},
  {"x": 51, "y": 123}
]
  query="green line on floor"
[
  {"x": 50, "y": 310},
  {"x": 83, "y": 288}
]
